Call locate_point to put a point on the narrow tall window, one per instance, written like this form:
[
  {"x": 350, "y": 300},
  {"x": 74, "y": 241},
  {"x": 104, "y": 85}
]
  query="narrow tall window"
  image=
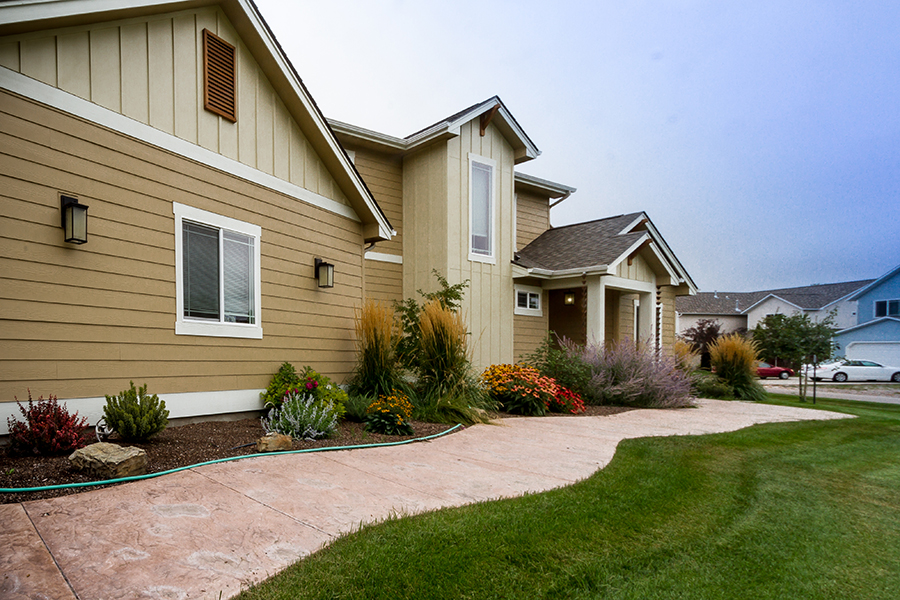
[
  {"x": 219, "y": 76},
  {"x": 481, "y": 208}
]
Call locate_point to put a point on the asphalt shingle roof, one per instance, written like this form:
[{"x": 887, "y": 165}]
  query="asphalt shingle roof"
[
  {"x": 811, "y": 297},
  {"x": 581, "y": 245}
]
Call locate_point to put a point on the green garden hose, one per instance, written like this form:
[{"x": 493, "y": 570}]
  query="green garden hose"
[{"x": 220, "y": 460}]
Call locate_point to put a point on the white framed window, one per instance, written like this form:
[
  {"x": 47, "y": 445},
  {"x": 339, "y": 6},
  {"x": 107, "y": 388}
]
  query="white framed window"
[
  {"x": 887, "y": 308},
  {"x": 217, "y": 275},
  {"x": 482, "y": 208},
  {"x": 529, "y": 301}
]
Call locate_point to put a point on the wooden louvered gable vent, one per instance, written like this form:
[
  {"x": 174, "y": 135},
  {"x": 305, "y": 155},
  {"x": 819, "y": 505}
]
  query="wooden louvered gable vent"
[{"x": 219, "y": 76}]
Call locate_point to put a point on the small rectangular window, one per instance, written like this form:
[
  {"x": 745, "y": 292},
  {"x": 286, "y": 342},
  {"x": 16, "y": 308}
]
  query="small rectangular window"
[
  {"x": 894, "y": 308},
  {"x": 528, "y": 301},
  {"x": 482, "y": 173},
  {"x": 219, "y": 76},
  {"x": 881, "y": 308}
]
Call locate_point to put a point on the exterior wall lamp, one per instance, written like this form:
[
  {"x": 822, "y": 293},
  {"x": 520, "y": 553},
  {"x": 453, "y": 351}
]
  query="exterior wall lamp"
[
  {"x": 74, "y": 220},
  {"x": 324, "y": 273},
  {"x": 569, "y": 298}
]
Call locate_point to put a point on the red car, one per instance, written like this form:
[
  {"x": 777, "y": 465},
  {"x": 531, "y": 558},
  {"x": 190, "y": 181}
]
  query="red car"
[{"x": 764, "y": 370}]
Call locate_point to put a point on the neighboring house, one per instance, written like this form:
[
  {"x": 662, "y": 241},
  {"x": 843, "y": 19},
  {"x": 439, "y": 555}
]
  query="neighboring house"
[
  {"x": 211, "y": 194},
  {"x": 876, "y": 336},
  {"x": 459, "y": 206},
  {"x": 737, "y": 311}
]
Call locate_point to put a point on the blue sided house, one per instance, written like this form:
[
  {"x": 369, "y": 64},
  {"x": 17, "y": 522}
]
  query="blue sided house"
[{"x": 876, "y": 336}]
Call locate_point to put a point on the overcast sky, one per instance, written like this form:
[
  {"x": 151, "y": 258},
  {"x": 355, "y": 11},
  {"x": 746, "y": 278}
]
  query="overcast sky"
[{"x": 762, "y": 138}]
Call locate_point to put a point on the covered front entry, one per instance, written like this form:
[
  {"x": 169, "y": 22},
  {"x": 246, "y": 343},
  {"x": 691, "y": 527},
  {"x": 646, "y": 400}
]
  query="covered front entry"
[{"x": 606, "y": 313}]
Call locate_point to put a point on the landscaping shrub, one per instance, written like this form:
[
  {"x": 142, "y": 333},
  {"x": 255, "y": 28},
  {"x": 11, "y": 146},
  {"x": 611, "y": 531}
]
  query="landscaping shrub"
[
  {"x": 302, "y": 417},
  {"x": 324, "y": 390},
  {"x": 134, "y": 415},
  {"x": 377, "y": 336},
  {"x": 356, "y": 407},
  {"x": 566, "y": 401},
  {"x": 390, "y": 415},
  {"x": 734, "y": 359},
  {"x": 467, "y": 403},
  {"x": 285, "y": 379},
  {"x": 707, "y": 385},
  {"x": 552, "y": 359},
  {"x": 409, "y": 312},
  {"x": 631, "y": 374},
  {"x": 443, "y": 356},
  {"x": 687, "y": 359},
  {"x": 48, "y": 428}
]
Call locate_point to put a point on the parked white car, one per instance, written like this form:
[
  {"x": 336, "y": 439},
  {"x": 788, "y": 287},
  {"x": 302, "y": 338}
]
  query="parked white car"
[{"x": 854, "y": 370}]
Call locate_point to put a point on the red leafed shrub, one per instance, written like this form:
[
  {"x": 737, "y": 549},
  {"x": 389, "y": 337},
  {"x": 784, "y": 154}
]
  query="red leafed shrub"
[
  {"x": 48, "y": 428},
  {"x": 566, "y": 401}
]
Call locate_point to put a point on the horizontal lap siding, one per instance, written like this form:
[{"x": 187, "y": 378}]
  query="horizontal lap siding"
[
  {"x": 529, "y": 332},
  {"x": 667, "y": 325},
  {"x": 532, "y": 218},
  {"x": 81, "y": 321}
]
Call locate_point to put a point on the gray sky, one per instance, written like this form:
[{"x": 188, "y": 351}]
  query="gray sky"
[{"x": 762, "y": 138}]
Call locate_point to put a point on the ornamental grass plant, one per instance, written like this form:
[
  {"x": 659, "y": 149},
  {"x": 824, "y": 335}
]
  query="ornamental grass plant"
[
  {"x": 378, "y": 334},
  {"x": 443, "y": 359},
  {"x": 734, "y": 359}
]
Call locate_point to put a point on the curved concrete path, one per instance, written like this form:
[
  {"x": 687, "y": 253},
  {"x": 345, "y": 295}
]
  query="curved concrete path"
[{"x": 219, "y": 528}]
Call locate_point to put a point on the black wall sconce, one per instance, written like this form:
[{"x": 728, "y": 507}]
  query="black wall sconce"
[
  {"x": 324, "y": 273},
  {"x": 74, "y": 219}
]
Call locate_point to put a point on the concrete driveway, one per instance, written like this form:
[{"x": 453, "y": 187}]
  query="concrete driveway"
[{"x": 219, "y": 528}]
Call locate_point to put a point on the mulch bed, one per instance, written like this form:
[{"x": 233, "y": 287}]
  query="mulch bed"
[{"x": 194, "y": 443}]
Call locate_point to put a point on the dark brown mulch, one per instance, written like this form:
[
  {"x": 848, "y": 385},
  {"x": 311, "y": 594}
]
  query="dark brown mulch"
[{"x": 185, "y": 445}]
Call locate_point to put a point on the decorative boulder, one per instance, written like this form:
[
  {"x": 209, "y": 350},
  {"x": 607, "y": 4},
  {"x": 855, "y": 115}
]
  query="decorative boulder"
[
  {"x": 274, "y": 442},
  {"x": 110, "y": 461}
]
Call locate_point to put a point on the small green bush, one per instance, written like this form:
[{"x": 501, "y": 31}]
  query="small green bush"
[
  {"x": 706, "y": 385},
  {"x": 134, "y": 415},
  {"x": 390, "y": 415},
  {"x": 355, "y": 408},
  {"x": 734, "y": 358},
  {"x": 285, "y": 379},
  {"x": 302, "y": 417},
  {"x": 324, "y": 390}
]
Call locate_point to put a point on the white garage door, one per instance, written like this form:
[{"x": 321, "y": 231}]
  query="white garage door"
[{"x": 886, "y": 353}]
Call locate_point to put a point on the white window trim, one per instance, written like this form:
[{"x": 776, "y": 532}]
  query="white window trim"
[
  {"x": 529, "y": 312},
  {"x": 205, "y": 328},
  {"x": 887, "y": 307},
  {"x": 490, "y": 258}
]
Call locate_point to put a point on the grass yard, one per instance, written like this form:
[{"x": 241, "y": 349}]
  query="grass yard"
[{"x": 789, "y": 511}]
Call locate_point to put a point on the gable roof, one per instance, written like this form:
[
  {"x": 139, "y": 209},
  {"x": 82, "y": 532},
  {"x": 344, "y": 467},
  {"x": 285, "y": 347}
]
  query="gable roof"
[
  {"x": 810, "y": 297},
  {"x": 875, "y": 283},
  {"x": 24, "y": 16},
  {"x": 598, "y": 246},
  {"x": 448, "y": 127}
]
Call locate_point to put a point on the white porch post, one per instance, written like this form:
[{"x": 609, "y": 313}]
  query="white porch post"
[
  {"x": 647, "y": 318},
  {"x": 596, "y": 310}
]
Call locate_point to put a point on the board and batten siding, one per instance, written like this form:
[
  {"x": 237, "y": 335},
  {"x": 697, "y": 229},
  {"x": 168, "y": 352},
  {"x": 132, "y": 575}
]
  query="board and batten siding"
[
  {"x": 638, "y": 270},
  {"x": 425, "y": 218},
  {"x": 81, "y": 321},
  {"x": 489, "y": 300},
  {"x": 532, "y": 218},
  {"x": 151, "y": 70}
]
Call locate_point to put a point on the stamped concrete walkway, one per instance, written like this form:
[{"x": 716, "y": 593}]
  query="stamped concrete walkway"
[{"x": 219, "y": 528}]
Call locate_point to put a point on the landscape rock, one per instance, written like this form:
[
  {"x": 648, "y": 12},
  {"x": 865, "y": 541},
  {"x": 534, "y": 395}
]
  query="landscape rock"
[
  {"x": 110, "y": 461},
  {"x": 274, "y": 442}
]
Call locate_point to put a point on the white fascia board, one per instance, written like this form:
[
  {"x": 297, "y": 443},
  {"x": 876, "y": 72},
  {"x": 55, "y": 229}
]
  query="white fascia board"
[
  {"x": 867, "y": 324},
  {"x": 629, "y": 285},
  {"x": 554, "y": 190},
  {"x": 683, "y": 276},
  {"x": 531, "y": 150},
  {"x": 634, "y": 246},
  {"x": 874, "y": 284},
  {"x": 24, "y": 11},
  {"x": 550, "y": 274},
  {"x": 56, "y": 98},
  {"x": 381, "y": 139},
  {"x": 758, "y": 302},
  {"x": 641, "y": 217}
]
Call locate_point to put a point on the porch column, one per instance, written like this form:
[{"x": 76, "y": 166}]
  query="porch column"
[
  {"x": 647, "y": 318},
  {"x": 596, "y": 310}
]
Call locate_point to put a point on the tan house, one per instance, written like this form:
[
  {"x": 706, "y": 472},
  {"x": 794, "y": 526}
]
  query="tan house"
[
  {"x": 171, "y": 195},
  {"x": 460, "y": 206},
  {"x": 213, "y": 184}
]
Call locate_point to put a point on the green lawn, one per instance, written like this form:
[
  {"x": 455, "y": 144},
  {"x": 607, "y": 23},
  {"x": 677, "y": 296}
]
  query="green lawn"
[{"x": 788, "y": 511}]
